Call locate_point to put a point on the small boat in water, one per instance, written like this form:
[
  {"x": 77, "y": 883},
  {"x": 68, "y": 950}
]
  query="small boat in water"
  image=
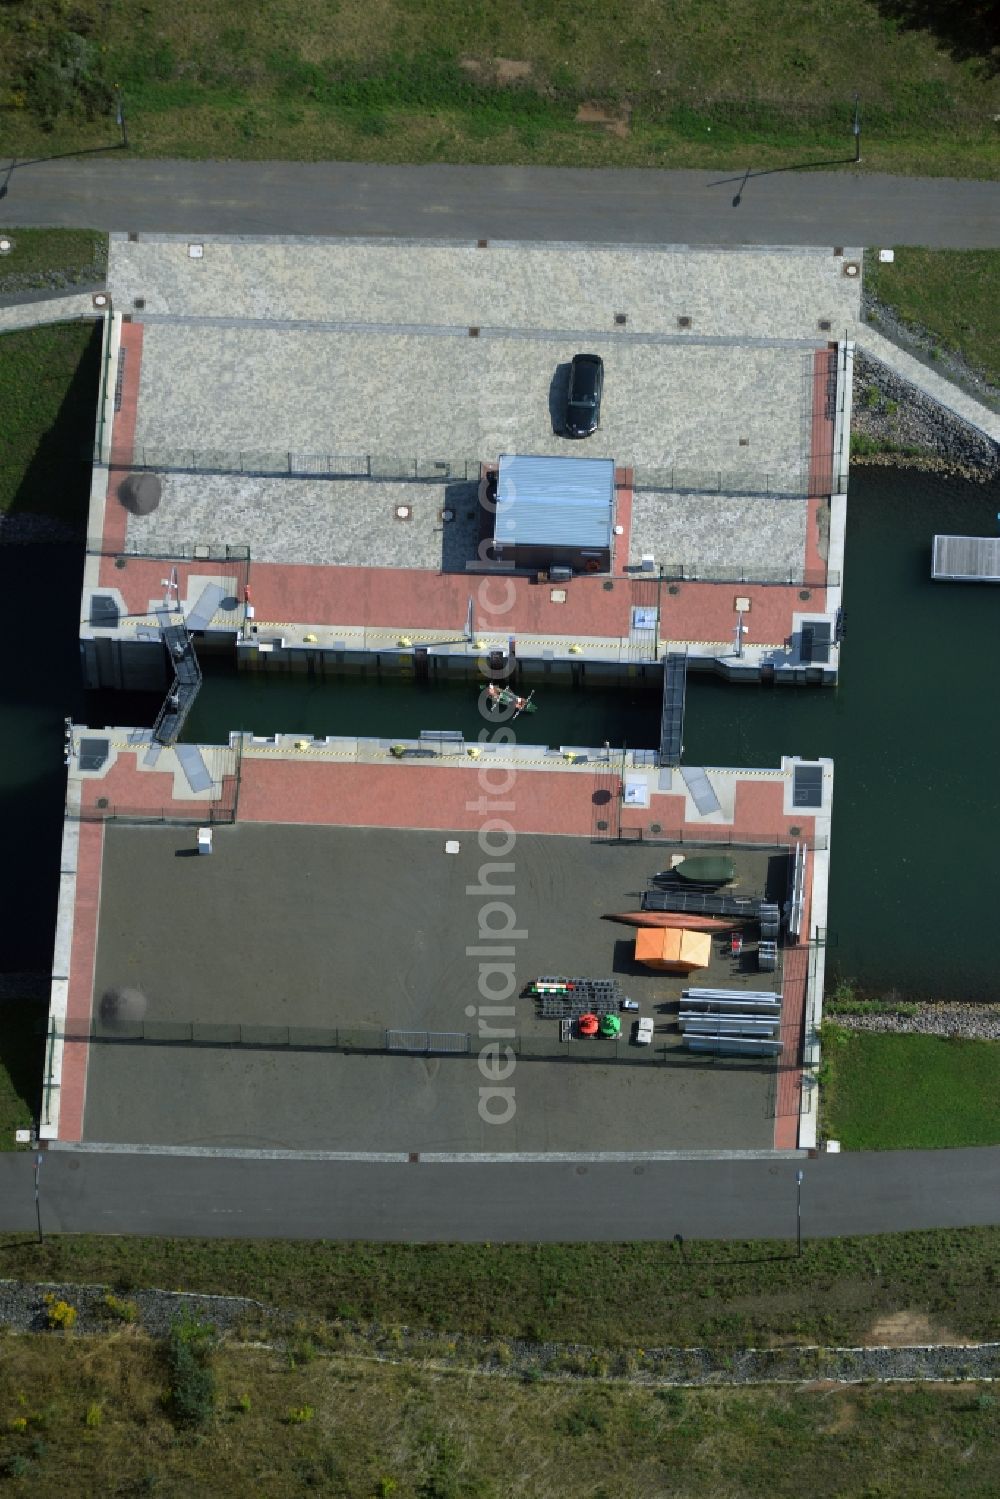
[
  {"x": 502, "y": 697},
  {"x": 672, "y": 919}
]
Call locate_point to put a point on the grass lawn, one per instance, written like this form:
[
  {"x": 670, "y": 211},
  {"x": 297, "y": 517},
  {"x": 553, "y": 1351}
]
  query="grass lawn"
[
  {"x": 910, "y": 1092},
  {"x": 47, "y": 259},
  {"x": 88, "y": 1416},
  {"x": 48, "y": 400},
  {"x": 952, "y": 294},
  {"x": 713, "y": 83},
  {"x": 22, "y": 1055},
  {"x": 732, "y": 1294}
]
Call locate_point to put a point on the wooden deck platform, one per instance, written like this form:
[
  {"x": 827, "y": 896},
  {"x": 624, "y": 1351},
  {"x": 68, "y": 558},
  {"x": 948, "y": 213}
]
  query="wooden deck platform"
[{"x": 966, "y": 559}]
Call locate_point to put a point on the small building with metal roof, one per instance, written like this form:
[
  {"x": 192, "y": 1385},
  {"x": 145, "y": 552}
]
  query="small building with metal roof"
[{"x": 555, "y": 512}]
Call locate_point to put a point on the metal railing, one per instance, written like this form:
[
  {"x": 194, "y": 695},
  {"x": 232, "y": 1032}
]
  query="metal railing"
[
  {"x": 708, "y": 837},
  {"x": 223, "y": 811},
  {"x": 678, "y": 478},
  {"x": 285, "y": 463},
  {"x": 168, "y": 549},
  {"x": 372, "y": 1040},
  {"x": 778, "y": 577}
]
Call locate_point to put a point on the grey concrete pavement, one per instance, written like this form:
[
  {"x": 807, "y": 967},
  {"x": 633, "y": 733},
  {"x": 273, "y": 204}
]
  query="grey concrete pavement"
[
  {"x": 573, "y": 1199},
  {"x": 36, "y": 311},
  {"x": 636, "y": 206}
]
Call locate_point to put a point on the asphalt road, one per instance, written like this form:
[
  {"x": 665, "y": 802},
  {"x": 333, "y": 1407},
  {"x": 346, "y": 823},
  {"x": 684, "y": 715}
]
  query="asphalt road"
[
  {"x": 791, "y": 207},
  {"x": 134, "y": 1192}
]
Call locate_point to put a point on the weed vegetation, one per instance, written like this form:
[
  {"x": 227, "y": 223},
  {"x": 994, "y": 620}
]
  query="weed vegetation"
[
  {"x": 22, "y": 1054},
  {"x": 696, "y": 83},
  {"x": 50, "y": 259},
  {"x": 952, "y": 295},
  {"x": 96, "y": 1415},
  {"x": 49, "y": 379},
  {"x": 721, "y": 1295},
  {"x": 909, "y": 1092}
]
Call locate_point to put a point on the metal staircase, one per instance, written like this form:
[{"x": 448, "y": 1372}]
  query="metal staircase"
[{"x": 187, "y": 678}]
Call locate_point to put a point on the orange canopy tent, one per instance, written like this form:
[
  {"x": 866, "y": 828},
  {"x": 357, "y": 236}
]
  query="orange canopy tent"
[{"x": 672, "y": 949}]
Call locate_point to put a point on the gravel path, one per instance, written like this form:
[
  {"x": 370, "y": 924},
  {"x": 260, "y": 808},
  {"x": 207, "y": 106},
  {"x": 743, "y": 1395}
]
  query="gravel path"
[{"x": 23, "y": 1309}]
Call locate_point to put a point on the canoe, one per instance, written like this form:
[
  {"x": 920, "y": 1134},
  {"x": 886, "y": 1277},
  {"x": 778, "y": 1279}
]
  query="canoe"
[
  {"x": 705, "y": 869},
  {"x": 673, "y": 919}
]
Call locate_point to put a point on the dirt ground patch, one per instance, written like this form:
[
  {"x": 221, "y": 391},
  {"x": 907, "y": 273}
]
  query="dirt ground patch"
[
  {"x": 906, "y": 1329},
  {"x": 613, "y": 122},
  {"x": 511, "y": 69},
  {"x": 501, "y": 70}
]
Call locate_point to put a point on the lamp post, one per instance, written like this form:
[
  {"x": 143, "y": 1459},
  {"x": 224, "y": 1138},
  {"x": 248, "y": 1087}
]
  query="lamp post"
[
  {"x": 856, "y": 128},
  {"x": 120, "y": 114},
  {"x": 798, "y": 1213},
  {"x": 38, "y": 1204}
]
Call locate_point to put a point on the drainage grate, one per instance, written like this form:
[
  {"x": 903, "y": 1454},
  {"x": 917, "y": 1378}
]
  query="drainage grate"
[
  {"x": 482, "y": 244},
  {"x": 744, "y": 442},
  {"x": 621, "y": 318},
  {"x": 825, "y": 324},
  {"x": 473, "y": 332},
  {"x": 138, "y": 303},
  {"x": 120, "y": 378},
  {"x": 683, "y": 322},
  {"x": 133, "y": 237}
]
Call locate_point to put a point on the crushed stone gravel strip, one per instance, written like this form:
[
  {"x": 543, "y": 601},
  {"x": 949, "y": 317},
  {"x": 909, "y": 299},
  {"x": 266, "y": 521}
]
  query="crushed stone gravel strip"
[
  {"x": 971, "y": 1022},
  {"x": 888, "y": 409},
  {"x": 23, "y": 1308}
]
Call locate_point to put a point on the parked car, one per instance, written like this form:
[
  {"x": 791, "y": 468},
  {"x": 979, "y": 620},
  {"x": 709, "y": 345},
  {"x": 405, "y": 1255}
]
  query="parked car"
[
  {"x": 644, "y": 1031},
  {"x": 583, "y": 398}
]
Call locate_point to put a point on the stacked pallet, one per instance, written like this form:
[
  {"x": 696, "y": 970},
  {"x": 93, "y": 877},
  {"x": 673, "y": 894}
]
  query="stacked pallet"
[{"x": 731, "y": 1022}]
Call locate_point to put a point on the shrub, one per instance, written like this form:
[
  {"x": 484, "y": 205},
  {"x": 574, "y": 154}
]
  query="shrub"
[
  {"x": 300, "y": 1415},
  {"x": 58, "y": 1313},
  {"x": 92, "y": 1420},
  {"x": 192, "y": 1379},
  {"x": 119, "y": 1309},
  {"x": 64, "y": 75}
]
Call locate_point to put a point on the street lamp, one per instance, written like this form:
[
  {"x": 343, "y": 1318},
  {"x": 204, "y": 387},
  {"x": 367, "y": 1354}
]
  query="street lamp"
[
  {"x": 798, "y": 1213},
  {"x": 39, "y": 1158},
  {"x": 856, "y": 128},
  {"x": 120, "y": 114}
]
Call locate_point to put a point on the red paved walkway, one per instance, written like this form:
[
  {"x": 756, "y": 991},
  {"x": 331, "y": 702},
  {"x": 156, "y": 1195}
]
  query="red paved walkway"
[
  {"x": 821, "y": 445},
  {"x": 394, "y": 600},
  {"x": 81, "y": 979},
  {"x": 412, "y": 794},
  {"x": 123, "y": 438}
]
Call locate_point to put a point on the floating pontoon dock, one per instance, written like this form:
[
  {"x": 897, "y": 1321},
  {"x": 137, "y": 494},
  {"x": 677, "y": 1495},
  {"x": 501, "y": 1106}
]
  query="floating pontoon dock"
[{"x": 966, "y": 559}]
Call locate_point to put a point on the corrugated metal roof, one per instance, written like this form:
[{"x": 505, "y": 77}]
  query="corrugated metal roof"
[{"x": 555, "y": 501}]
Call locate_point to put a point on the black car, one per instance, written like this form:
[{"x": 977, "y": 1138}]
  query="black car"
[{"x": 583, "y": 399}]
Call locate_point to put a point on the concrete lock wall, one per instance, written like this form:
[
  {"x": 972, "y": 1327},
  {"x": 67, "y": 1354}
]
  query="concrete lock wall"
[{"x": 128, "y": 665}]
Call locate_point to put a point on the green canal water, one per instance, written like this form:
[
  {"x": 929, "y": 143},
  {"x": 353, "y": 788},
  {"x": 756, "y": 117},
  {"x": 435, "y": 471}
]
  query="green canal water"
[{"x": 913, "y": 729}]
